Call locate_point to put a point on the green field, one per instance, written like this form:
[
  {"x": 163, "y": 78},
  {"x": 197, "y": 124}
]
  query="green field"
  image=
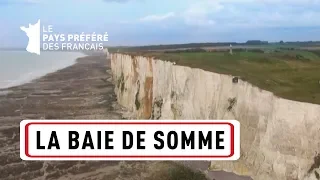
[{"x": 291, "y": 74}]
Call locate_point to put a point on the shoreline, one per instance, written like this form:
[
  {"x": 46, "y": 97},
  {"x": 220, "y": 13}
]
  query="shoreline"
[
  {"x": 80, "y": 91},
  {"x": 28, "y": 77}
]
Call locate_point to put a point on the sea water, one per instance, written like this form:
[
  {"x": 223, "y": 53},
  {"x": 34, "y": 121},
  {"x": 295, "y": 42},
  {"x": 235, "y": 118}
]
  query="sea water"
[{"x": 18, "y": 67}]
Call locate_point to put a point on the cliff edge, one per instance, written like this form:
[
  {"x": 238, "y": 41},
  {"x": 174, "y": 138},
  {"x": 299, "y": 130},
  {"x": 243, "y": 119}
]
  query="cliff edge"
[{"x": 280, "y": 138}]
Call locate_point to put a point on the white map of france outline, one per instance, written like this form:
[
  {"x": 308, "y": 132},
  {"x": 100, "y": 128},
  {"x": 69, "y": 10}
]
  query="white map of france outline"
[{"x": 33, "y": 33}]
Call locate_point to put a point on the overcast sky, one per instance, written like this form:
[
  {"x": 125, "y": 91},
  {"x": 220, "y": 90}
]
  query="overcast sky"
[{"x": 142, "y": 22}]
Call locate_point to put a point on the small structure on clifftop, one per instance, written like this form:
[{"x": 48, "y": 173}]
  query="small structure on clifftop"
[{"x": 235, "y": 79}]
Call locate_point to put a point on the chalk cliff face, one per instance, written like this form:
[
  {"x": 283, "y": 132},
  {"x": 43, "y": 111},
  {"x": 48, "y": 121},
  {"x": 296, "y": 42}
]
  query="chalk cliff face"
[{"x": 279, "y": 138}]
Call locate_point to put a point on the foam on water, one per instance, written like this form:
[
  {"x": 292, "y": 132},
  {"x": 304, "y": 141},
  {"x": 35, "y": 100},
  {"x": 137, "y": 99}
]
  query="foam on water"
[{"x": 18, "y": 67}]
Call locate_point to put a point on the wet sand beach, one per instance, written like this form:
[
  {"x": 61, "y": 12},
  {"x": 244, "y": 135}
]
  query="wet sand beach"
[{"x": 81, "y": 91}]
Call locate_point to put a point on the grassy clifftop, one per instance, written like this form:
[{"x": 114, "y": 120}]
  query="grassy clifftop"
[{"x": 291, "y": 74}]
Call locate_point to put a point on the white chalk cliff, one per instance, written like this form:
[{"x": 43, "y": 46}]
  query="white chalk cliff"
[{"x": 279, "y": 138}]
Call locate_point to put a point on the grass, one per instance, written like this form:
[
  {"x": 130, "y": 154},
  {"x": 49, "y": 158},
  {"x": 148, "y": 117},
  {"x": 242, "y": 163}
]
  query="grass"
[
  {"x": 157, "y": 170},
  {"x": 168, "y": 170},
  {"x": 291, "y": 74}
]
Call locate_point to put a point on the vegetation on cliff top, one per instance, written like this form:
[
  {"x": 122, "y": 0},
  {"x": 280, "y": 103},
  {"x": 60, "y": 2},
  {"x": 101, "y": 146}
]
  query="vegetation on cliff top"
[{"x": 289, "y": 73}]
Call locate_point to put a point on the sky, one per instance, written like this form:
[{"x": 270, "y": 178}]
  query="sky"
[{"x": 145, "y": 22}]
